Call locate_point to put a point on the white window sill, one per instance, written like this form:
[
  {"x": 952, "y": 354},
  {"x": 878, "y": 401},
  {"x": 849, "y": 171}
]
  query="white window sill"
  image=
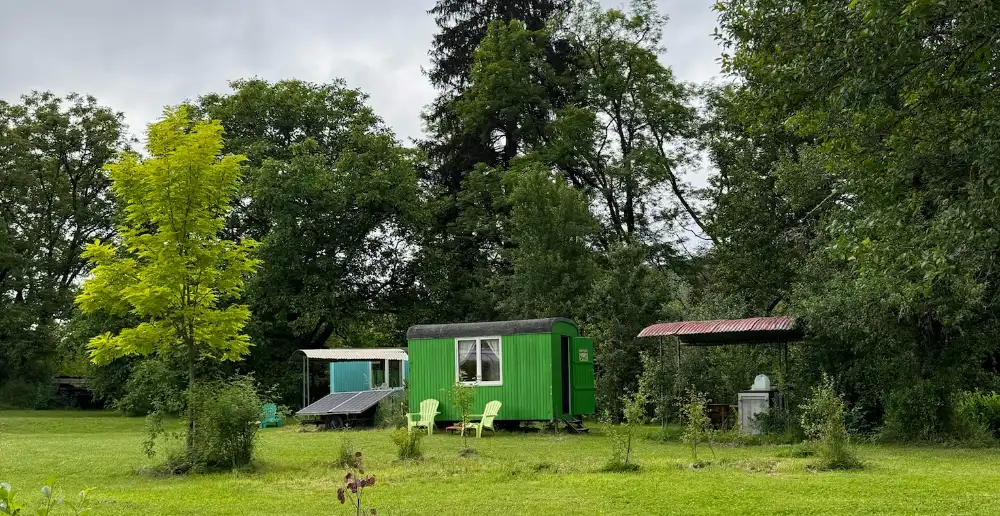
[{"x": 482, "y": 384}]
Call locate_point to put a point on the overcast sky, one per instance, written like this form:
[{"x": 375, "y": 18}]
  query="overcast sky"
[{"x": 137, "y": 56}]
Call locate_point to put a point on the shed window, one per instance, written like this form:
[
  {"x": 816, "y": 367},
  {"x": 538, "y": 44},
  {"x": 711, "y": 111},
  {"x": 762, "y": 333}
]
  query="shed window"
[{"x": 477, "y": 361}]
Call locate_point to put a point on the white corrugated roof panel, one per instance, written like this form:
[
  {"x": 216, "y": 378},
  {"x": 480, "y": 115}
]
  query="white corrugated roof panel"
[{"x": 356, "y": 354}]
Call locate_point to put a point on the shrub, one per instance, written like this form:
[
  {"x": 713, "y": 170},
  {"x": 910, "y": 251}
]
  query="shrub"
[
  {"x": 977, "y": 416},
  {"x": 667, "y": 433},
  {"x": 622, "y": 435},
  {"x": 463, "y": 397},
  {"x": 697, "y": 425},
  {"x": 355, "y": 483},
  {"x": 918, "y": 412},
  {"x": 407, "y": 443},
  {"x": 391, "y": 412},
  {"x": 19, "y": 393},
  {"x": 9, "y": 503},
  {"x": 776, "y": 420},
  {"x": 346, "y": 455},
  {"x": 227, "y": 418},
  {"x": 151, "y": 386},
  {"x": 823, "y": 422}
]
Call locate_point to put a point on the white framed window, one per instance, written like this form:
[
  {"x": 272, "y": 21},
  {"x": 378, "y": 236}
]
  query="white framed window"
[{"x": 478, "y": 361}]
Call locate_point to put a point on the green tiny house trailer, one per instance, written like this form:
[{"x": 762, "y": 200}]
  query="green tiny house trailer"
[{"x": 540, "y": 369}]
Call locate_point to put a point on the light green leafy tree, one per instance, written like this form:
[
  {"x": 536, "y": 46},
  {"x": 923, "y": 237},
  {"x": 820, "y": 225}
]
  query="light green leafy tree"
[
  {"x": 463, "y": 396},
  {"x": 697, "y": 425},
  {"x": 169, "y": 267}
]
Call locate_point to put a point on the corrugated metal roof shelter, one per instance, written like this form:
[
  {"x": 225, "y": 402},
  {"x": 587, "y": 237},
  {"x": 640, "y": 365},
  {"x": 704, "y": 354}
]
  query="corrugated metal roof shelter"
[
  {"x": 374, "y": 368},
  {"x": 755, "y": 330}
]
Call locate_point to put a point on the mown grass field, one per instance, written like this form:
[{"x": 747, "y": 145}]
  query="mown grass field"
[{"x": 512, "y": 474}]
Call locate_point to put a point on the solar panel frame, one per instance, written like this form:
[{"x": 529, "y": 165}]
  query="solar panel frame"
[{"x": 345, "y": 403}]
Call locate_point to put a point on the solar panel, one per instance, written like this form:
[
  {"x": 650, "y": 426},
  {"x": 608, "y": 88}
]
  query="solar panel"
[{"x": 346, "y": 402}]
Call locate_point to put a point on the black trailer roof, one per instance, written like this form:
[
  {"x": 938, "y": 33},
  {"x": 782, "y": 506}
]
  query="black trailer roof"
[{"x": 484, "y": 329}]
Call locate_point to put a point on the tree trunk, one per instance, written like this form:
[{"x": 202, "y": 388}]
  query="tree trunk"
[{"x": 191, "y": 398}]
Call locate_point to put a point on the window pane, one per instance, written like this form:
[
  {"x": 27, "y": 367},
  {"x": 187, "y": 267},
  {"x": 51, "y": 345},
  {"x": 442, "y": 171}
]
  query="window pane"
[
  {"x": 378, "y": 374},
  {"x": 466, "y": 360},
  {"x": 490, "y": 354},
  {"x": 395, "y": 373}
]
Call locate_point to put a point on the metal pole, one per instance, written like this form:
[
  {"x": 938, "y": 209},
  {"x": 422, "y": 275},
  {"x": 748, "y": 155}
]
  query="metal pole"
[
  {"x": 663, "y": 395},
  {"x": 678, "y": 376}
]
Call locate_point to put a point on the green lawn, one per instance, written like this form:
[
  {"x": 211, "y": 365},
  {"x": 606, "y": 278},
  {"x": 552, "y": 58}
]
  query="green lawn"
[{"x": 513, "y": 474}]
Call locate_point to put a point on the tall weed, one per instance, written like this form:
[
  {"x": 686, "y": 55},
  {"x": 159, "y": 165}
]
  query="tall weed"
[{"x": 823, "y": 422}]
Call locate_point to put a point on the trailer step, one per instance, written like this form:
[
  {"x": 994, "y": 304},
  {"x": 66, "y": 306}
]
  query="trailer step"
[{"x": 575, "y": 426}]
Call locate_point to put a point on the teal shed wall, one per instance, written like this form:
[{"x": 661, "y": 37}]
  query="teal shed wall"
[{"x": 350, "y": 376}]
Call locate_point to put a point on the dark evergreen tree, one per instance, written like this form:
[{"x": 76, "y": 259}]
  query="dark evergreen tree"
[{"x": 459, "y": 248}]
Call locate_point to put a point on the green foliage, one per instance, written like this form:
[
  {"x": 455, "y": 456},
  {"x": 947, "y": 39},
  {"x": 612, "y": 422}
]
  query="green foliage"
[
  {"x": 856, "y": 184},
  {"x": 171, "y": 267},
  {"x": 391, "y": 411},
  {"x": 658, "y": 383},
  {"x": 623, "y": 435},
  {"x": 778, "y": 421},
  {"x": 550, "y": 230},
  {"x": 629, "y": 292},
  {"x": 346, "y": 455},
  {"x": 508, "y": 93},
  {"x": 152, "y": 386},
  {"x": 54, "y": 197},
  {"x": 355, "y": 483},
  {"x": 977, "y": 417},
  {"x": 407, "y": 443},
  {"x": 332, "y": 197},
  {"x": 462, "y": 397},
  {"x": 10, "y": 505},
  {"x": 227, "y": 419},
  {"x": 697, "y": 425},
  {"x": 823, "y": 422},
  {"x": 625, "y": 142},
  {"x": 27, "y": 394}
]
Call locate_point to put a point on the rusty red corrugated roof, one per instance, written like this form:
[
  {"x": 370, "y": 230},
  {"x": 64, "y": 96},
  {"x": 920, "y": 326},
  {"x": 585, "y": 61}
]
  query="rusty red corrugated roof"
[{"x": 753, "y": 324}]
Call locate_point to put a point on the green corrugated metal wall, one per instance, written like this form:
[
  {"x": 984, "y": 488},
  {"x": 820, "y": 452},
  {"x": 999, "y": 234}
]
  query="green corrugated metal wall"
[{"x": 527, "y": 365}]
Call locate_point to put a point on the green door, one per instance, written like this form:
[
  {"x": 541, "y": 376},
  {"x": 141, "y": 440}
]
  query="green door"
[{"x": 582, "y": 358}]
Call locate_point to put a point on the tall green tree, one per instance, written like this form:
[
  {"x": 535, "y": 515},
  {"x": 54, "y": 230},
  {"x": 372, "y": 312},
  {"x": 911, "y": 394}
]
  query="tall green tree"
[
  {"x": 551, "y": 235},
  {"x": 626, "y": 137},
  {"x": 894, "y": 101},
  {"x": 332, "y": 195},
  {"x": 54, "y": 198},
  {"x": 456, "y": 262},
  {"x": 169, "y": 267}
]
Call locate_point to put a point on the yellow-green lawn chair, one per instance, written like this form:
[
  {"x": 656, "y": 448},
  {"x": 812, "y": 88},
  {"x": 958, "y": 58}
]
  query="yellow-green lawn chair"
[
  {"x": 486, "y": 419},
  {"x": 424, "y": 418}
]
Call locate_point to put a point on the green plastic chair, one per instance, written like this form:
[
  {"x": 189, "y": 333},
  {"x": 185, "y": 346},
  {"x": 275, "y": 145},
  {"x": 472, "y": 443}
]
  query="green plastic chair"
[
  {"x": 486, "y": 419},
  {"x": 424, "y": 418},
  {"x": 269, "y": 415}
]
